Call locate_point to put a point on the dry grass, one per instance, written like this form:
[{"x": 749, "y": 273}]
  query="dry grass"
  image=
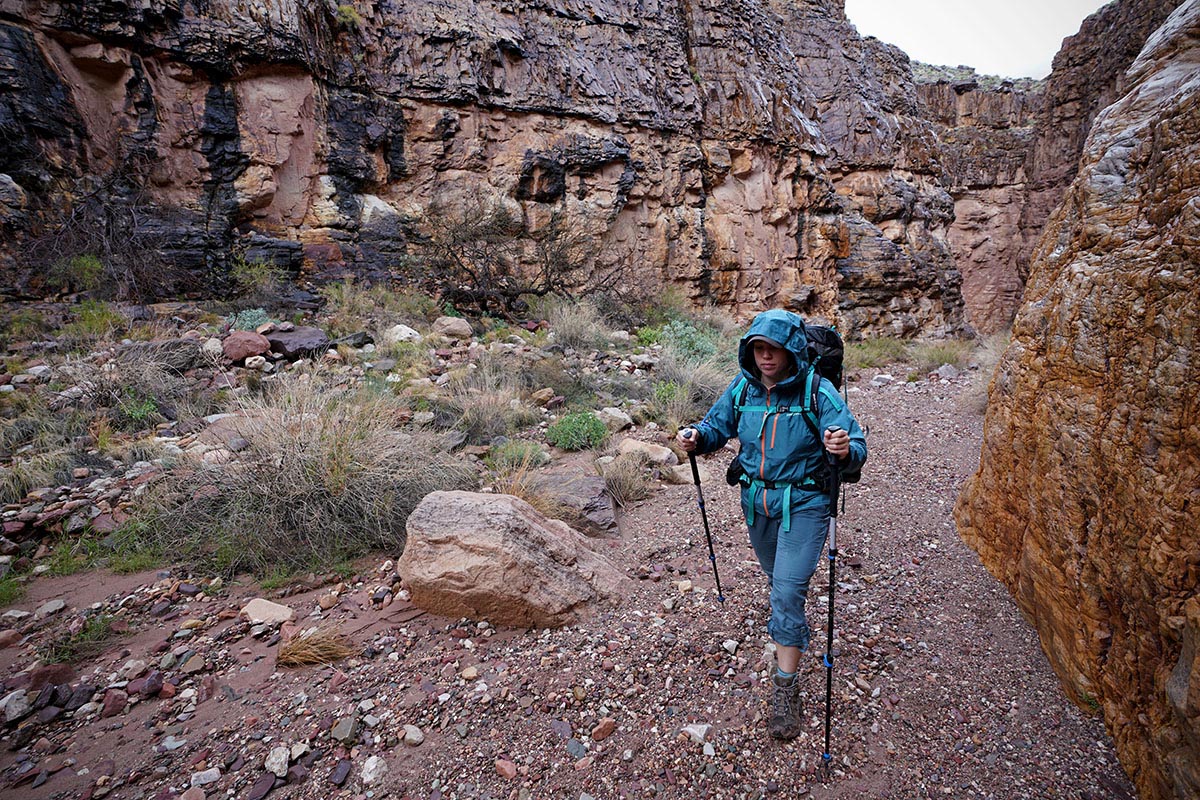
[
  {"x": 487, "y": 399},
  {"x": 987, "y": 355},
  {"x": 626, "y": 478},
  {"x": 578, "y": 325},
  {"x": 520, "y": 479},
  {"x": 320, "y": 645},
  {"x": 328, "y": 475},
  {"x": 928, "y": 356}
]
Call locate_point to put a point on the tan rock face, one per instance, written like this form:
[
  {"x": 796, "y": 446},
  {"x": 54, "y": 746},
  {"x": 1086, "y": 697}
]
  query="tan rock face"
[
  {"x": 1085, "y": 503},
  {"x": 494, "y": 557}
]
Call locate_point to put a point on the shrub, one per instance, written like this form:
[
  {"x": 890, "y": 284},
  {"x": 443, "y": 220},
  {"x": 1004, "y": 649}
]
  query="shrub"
[
  {"x": 695, "y": 386},
  {"x": 575, "y": 386},
  {"x": 256, "y": 282},
  {"x": 626, "y": 478},
  {"x": 987, "y": 355},
  {"x": 352, "y": 306},
  {"x": 36, "y": 472},
  {"x": 111, "y": 238},
  {"x": 480, "y": 254},
  {"x": 521, "y": 480},
  {"x": 580, "y": 430},
  {"x": 320, "y": 645},
  {"x": 347, "y": 16},
  {"x": 487, "y": 401},
  {"x": 94, "y": 320},
  {"x": 686, "y": 340},
  {"x": 89, "y": 641},
  {"x": 578, "y": 325},
  {"x": 25, "y": 323},
  {"x": 328, "y": 476},
  {"x": 248, "y": 319},
  {"x": 516, "y": 454}
]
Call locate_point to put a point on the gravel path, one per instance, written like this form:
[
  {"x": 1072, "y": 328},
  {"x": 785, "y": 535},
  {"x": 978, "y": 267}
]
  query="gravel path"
[{"x": 940, "y": 688}]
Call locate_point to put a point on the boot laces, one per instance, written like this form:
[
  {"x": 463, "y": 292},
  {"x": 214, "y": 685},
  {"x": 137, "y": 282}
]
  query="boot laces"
[{"x": 783, "y": 701}]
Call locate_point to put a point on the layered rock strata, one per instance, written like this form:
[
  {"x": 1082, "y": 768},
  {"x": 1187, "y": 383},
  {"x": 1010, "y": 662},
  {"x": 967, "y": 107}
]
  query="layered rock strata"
[
  {"x": 1089, "y": 73},
  {"x": 1085, "y": 503},
  {"x": 693, "y": 140}
]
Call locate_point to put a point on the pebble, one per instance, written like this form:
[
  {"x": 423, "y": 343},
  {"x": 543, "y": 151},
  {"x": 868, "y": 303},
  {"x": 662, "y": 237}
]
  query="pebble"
[
  {"x": 374, "y": 770},
  {"x": 413, "y": 736},
  {"x": 208, "y": 776},
  {"x": 277, "y": 761}
]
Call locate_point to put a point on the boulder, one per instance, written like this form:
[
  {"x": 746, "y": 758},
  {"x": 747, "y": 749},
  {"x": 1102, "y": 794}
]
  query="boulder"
[
  {"x": 453, "y": 327},
  {"x": 585, "y": 497},
  {"x": 614, "y": 418},
  {"x": 654, "y": 453},
  {"x": 241, "y": 345},
  {"x": 299, "y": 342},
  {"x": 495, "y": 557},
  {"x": 400, "y": 333},
  {"x": 259, "y": 610}
]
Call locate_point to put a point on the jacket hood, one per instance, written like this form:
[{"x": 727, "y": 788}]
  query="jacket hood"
[{"x": 783, "y": 327}]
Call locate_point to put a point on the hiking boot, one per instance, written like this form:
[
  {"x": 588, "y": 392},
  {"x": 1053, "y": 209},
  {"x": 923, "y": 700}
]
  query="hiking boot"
[{"x": 786, "y": 709}]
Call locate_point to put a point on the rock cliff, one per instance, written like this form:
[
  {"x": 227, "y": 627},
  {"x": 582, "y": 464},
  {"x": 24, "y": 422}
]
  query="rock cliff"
[
  {"x": 756, "y": 153},
  {"x": 984, "y": 136},
  {"x": 1085, "y": 503}
]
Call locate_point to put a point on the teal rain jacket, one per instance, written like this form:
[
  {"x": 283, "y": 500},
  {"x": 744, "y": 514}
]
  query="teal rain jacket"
[{"x": 781, "y": 458}]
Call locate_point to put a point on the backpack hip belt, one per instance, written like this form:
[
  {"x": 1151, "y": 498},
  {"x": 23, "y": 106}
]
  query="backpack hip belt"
[{"x": 811, "y": 483}]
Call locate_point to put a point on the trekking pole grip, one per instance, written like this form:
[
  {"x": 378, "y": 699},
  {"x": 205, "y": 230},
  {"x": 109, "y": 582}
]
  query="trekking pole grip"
[{"x": 835, "y": 477}]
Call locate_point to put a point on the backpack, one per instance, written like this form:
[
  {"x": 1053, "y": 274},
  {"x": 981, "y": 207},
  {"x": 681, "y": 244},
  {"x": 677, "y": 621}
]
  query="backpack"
[{"x": 826, "y": 354}]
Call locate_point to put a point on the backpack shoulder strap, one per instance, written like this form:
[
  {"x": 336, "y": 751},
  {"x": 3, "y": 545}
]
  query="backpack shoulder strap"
[
  {"x": 812, "y": 407},
  {"x": 739, "y": 399}
]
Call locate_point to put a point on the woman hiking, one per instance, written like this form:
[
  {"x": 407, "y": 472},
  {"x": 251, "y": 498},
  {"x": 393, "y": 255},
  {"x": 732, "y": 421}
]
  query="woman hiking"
[{"x": 783, "y": 480}]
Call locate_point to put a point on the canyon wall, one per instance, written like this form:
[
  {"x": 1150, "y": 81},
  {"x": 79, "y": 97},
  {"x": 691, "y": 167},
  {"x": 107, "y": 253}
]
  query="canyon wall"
[
  {"x": 756, "y": 153},
  {"x": 1085, "y": 502}
]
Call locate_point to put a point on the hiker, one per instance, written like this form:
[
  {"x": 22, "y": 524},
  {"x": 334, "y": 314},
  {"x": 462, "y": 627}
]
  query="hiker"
[{"x": 783, "y": 479}]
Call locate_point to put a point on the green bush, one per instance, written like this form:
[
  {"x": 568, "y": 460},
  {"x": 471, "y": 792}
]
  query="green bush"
[
  {"x": 94, "y": 321},
  {"x": 248, "y": 319},
  {"x": 348, "y": 17},
  {"x": 25, "y": 323},
  {"x": 688, "y": 341},
  {"x": 81, "y": 273},
  {"x": 577, "y": 431}
]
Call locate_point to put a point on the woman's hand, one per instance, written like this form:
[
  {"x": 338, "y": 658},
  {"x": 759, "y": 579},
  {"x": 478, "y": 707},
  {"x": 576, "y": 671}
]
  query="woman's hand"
[
  {"x": 837, "y": 442},
  {"x": 686, "y": 439}
]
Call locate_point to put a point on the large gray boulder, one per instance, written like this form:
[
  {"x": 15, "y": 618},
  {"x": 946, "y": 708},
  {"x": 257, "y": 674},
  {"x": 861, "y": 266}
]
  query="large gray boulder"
[{"x": 495, "y": 557}]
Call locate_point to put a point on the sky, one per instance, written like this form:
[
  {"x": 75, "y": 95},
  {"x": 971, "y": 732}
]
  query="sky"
[{"x": 1014, "y": 38}]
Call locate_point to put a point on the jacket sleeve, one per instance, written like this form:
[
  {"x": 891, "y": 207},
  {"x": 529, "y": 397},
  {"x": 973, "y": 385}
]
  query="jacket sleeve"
[
  {"x": 834, "y": 412},
  {"x": 719, "y": 424}
]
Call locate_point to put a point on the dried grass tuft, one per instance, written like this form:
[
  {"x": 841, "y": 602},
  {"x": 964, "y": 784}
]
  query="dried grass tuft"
[{"x": 320, "y": 645}]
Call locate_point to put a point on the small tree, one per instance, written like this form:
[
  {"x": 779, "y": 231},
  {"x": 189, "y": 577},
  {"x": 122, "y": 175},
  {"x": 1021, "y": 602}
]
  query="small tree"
[
  {"x": 482, "y": 257},
  {"x": 110, "y": 241}
]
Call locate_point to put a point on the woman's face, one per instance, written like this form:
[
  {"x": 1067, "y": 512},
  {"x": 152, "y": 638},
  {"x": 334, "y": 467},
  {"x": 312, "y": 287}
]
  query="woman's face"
[{"x": 773, "y": 362}]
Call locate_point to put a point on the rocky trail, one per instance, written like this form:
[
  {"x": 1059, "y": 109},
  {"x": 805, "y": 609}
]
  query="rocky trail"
[{"x": 940, "y": 687}]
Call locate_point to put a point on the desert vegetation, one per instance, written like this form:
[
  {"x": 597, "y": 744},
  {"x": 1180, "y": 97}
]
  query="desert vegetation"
[{"x": 142, "y": 439}]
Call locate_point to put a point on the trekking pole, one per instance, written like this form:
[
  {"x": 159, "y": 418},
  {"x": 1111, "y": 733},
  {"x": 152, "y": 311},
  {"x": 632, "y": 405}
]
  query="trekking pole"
[
  {"x": 712, "y": 556},
  {"x": 834, "y": 487}
]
